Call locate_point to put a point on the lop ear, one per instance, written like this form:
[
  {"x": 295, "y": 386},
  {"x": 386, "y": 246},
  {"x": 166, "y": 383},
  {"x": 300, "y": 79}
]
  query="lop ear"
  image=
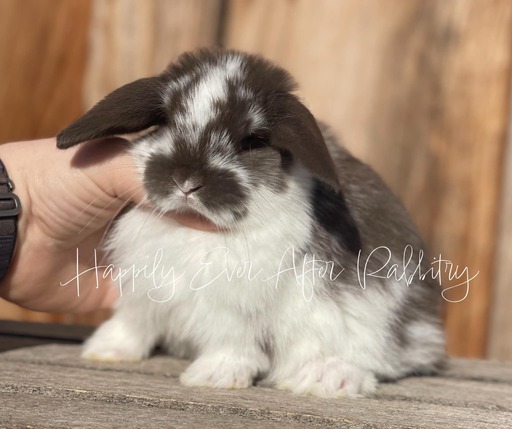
[
  {"x": 296, "y": 131},
  {"x": 132, "y": 108}
]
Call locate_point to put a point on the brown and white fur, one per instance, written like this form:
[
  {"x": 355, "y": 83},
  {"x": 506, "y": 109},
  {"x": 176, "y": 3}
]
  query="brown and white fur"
[{"x": 224, "y": 137}]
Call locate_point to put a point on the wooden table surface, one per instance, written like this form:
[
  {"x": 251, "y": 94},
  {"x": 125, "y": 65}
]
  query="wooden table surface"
[{"x": 49, "y": 386}]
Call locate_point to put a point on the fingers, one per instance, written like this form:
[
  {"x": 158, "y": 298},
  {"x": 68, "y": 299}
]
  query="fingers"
[{"x": 108, "y": 163}]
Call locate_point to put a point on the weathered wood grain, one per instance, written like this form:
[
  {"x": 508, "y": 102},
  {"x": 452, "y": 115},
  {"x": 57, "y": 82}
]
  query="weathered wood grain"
[
  {"x": 254, "y": 404},
  {"x": 420, "y": 90},
  {"x": 500, "y": 332},
  {"x": 68, "y": 355},
  {"x": 132, "y": 39},
  {"x": 42, "y": 59},
  {"x": 480, "y": 370},
  {"x": 63, "y": 413},
  {"x": 56, "y": 373}
]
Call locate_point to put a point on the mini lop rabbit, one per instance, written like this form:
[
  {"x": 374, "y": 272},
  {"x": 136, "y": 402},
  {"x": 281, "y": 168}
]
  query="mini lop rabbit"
[{"x": 291, "y": 279}]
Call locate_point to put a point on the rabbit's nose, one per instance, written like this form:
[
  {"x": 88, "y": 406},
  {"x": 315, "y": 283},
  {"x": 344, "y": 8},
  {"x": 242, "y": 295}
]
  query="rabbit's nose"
[{"x": 186, "y": 181}]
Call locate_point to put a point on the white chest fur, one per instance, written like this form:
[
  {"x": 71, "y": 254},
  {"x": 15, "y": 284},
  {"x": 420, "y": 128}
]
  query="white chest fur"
[
  {"x": 169, "y": 262},
  {"x": 190, "y": 285}
]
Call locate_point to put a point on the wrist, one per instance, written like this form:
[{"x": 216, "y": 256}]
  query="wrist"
[
  {"x": 14, "y": 193},
  {"x": 10, "y": 208}
]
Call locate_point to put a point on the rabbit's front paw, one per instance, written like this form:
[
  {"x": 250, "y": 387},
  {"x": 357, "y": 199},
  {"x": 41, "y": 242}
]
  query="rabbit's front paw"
[
  {"x": 113, "y": 342},
  {"x": 219, "y": 371},
  {"x": 111, "y": 354},
  {"x": 331, "y": 377}
]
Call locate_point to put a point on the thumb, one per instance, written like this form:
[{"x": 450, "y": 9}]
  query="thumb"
[{"x": 109, "y": 164}]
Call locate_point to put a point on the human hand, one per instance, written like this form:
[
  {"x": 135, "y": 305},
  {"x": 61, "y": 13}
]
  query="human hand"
[{"x": 68, "y": 199}]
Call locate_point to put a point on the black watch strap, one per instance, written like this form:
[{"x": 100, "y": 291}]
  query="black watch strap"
[{"x": 9, "y": 209}]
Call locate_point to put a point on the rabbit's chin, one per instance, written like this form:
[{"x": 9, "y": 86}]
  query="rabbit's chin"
[{"x": 194, "y": 220}]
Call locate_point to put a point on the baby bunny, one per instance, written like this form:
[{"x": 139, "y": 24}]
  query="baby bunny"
[{"x": 264, "y": 251}]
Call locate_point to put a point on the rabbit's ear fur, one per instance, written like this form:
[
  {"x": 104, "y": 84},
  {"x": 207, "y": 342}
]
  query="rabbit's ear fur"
[
  {"x": 140, "y": 105},
  {"x": 296, "y": 131},
  {"x": 132, "y": 108}
]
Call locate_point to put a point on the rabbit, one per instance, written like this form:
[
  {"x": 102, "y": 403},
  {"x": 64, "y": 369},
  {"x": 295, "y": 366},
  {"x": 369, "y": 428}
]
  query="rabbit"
[{"x": 277, "y": 282}]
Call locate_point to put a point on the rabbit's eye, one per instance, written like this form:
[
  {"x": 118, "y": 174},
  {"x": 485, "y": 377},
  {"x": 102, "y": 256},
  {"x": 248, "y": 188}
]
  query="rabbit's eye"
[{"x": 253, "y": 142}]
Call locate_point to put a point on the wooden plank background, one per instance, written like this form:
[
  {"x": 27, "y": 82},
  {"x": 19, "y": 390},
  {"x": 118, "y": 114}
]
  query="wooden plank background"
[
  {"x": 66, "y": 389},
  {"x": 500, "y": 329},
  {"x": 419, "y": 90}
]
